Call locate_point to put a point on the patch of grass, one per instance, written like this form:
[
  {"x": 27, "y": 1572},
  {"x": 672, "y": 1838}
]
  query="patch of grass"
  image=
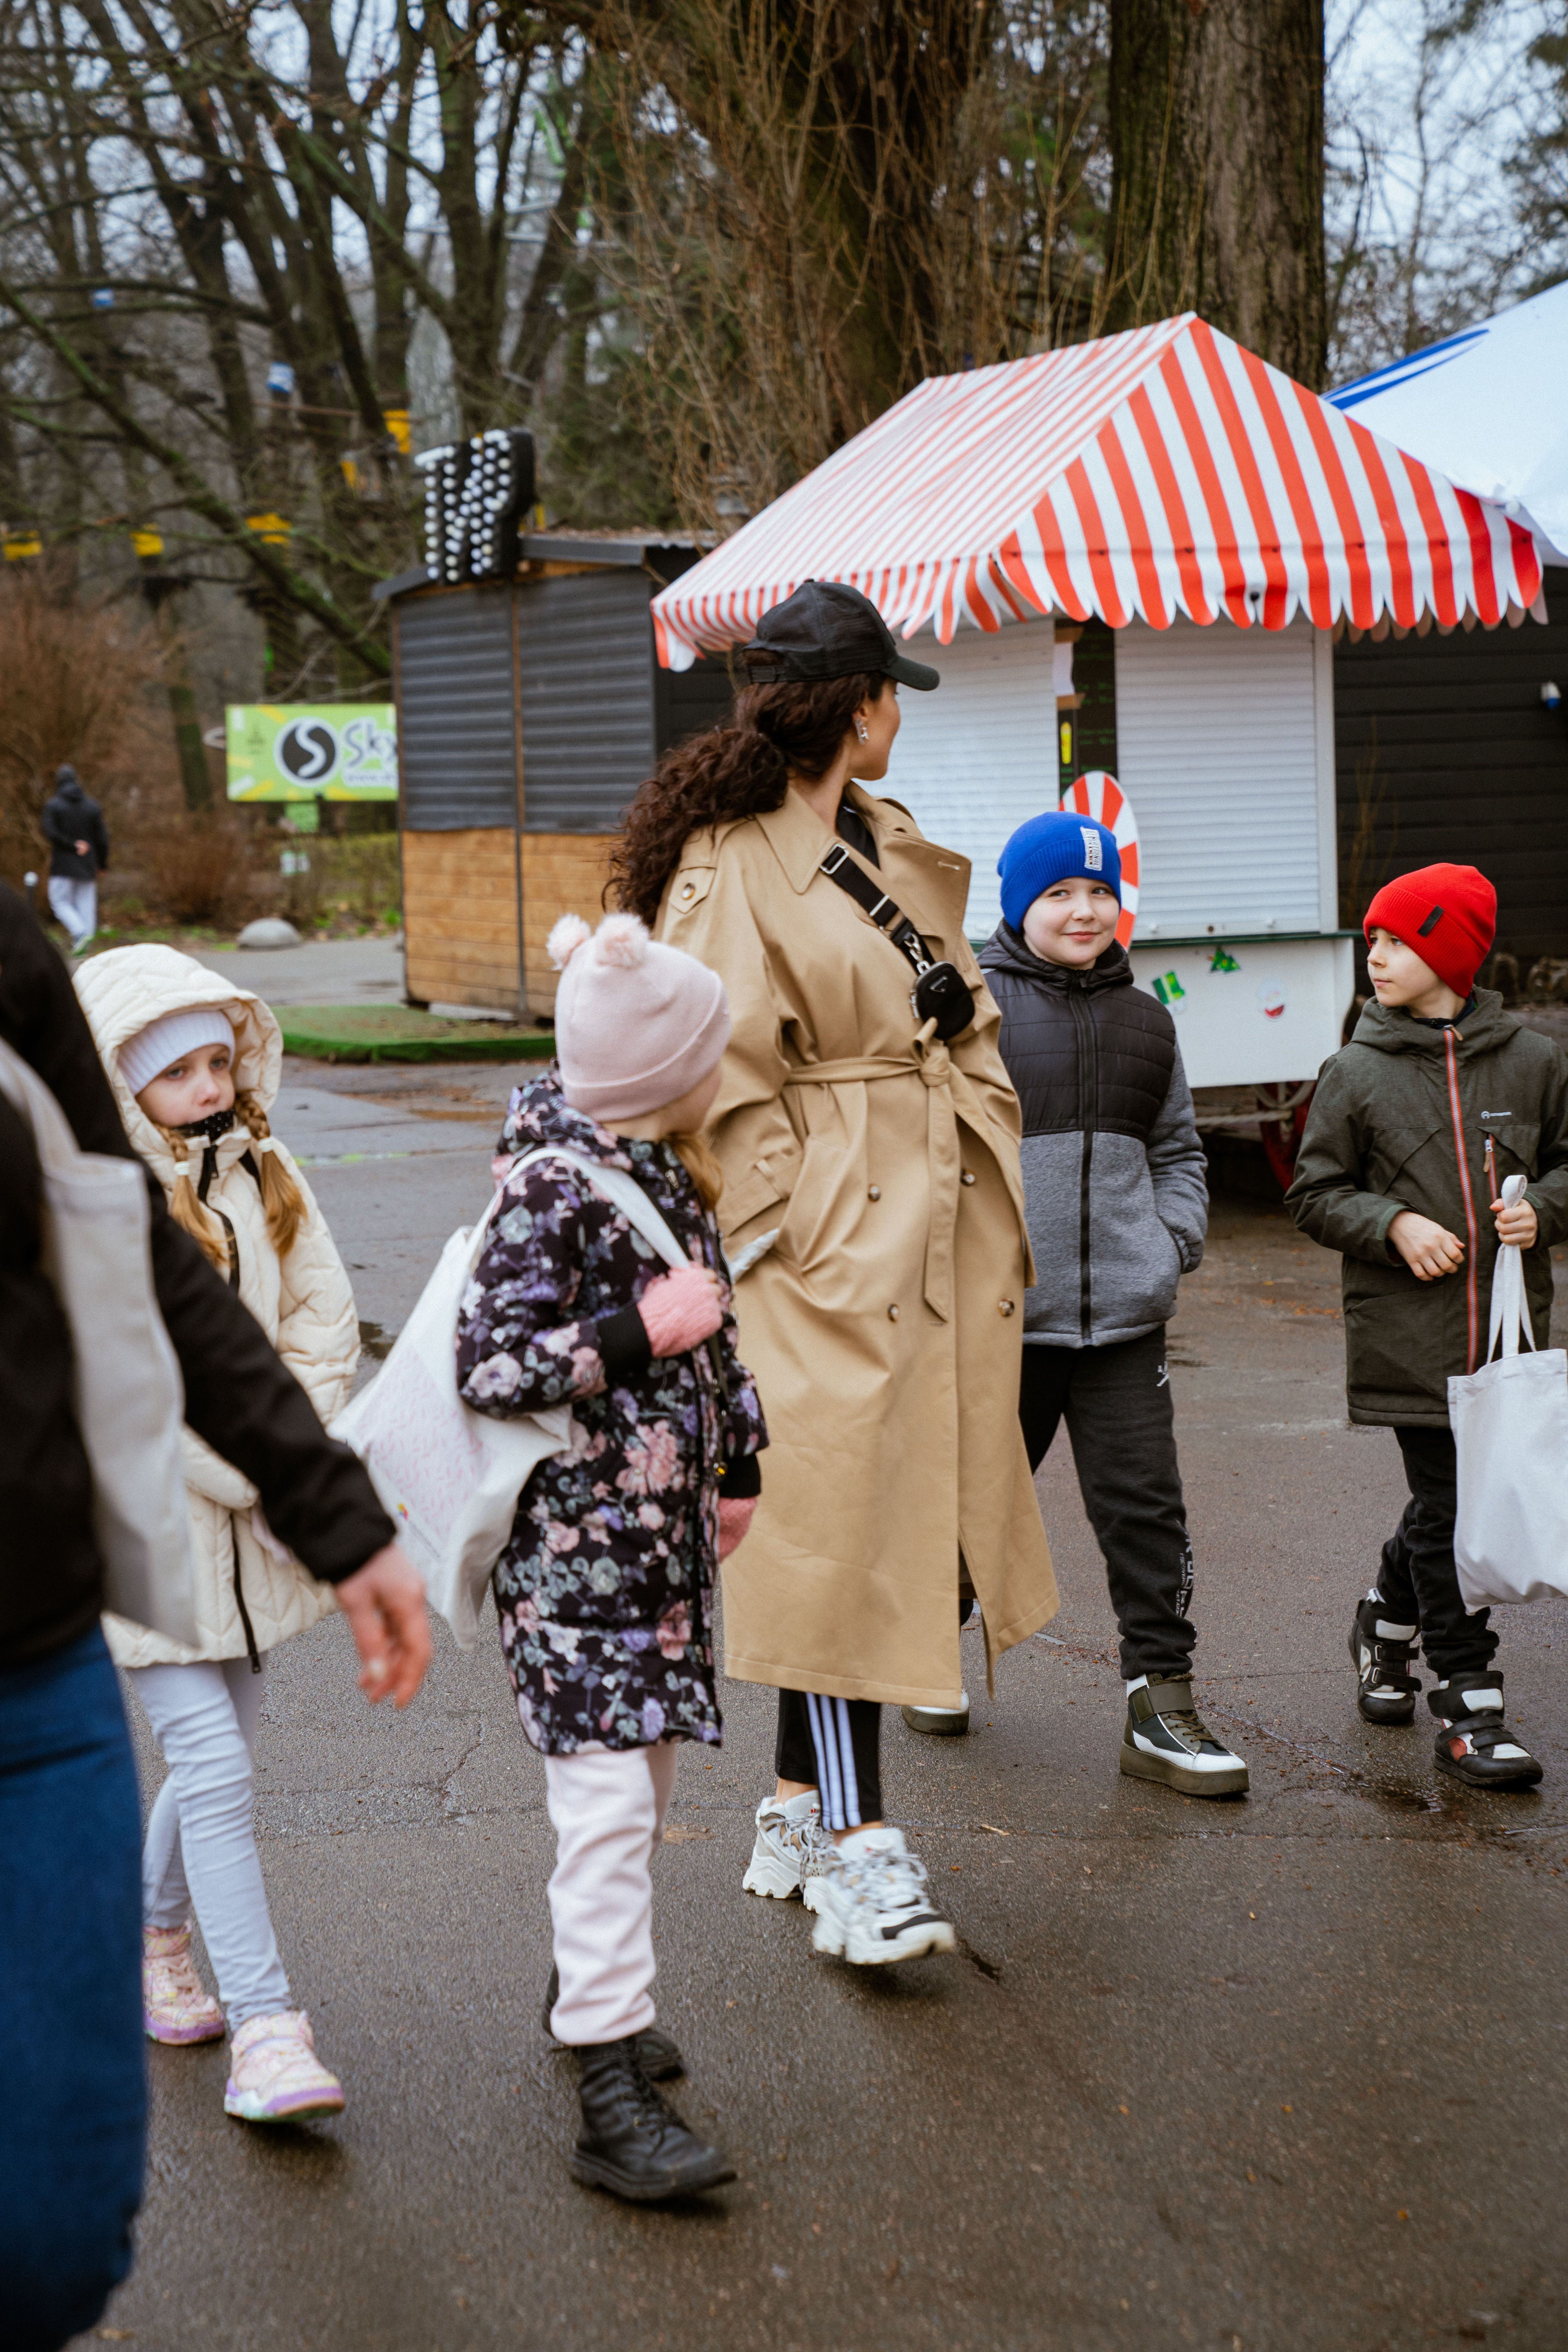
[{"x": 376, "y": 1033}]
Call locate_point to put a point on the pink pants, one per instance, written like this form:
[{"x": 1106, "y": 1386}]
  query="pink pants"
[{"x": 608, "y": 1808}]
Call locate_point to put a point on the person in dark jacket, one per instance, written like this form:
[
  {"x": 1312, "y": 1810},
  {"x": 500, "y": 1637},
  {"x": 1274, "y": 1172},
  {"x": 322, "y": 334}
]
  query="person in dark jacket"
[
  {"x": 1118, "y": 1206},
  {"x": 1439, "y": 1096},
  {"x": 70, "y": 1929},
  {"x": 78, "y": 849}
]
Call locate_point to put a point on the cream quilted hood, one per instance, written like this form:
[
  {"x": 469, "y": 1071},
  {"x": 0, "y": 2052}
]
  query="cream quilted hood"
[{"x": 303, "y": 1303}]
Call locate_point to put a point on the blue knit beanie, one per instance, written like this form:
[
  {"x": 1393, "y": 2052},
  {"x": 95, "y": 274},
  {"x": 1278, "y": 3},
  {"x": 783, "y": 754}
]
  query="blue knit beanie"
[{"x": 1058, "y": 848}]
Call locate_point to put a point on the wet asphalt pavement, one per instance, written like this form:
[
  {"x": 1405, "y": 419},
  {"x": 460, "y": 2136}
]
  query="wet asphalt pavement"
[{"x": 1283, "y": 2073}]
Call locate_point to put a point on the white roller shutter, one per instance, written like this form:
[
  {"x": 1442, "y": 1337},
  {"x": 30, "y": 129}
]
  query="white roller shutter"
[
  {"x": 979, "y": 755},
  {"x": 1219, "y": 748}
]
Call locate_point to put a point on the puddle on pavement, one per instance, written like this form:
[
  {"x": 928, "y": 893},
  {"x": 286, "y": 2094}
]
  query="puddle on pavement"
[{"x": 375, "y": 1339}]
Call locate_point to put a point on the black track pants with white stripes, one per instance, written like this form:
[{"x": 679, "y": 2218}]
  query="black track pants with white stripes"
[{"x": 833, "y": 1745}]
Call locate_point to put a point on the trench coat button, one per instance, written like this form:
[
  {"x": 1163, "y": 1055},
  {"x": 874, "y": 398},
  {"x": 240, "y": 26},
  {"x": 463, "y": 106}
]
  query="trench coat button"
[
  {"x": 1005, "y": 1307},
  {"x": 873, "y": 1191},
  {"x": 892, "y": 1314},
  {"x": 967, "y": 1177},
  {"x": 689, "y": 889}
]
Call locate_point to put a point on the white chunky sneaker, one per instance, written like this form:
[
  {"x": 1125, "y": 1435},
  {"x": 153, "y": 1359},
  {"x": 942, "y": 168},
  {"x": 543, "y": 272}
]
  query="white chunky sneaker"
[
  {"x": 791, "y": 1851},
  {"x": 1166, "y": 1738},
  {"x": 871, "y": 1906}
]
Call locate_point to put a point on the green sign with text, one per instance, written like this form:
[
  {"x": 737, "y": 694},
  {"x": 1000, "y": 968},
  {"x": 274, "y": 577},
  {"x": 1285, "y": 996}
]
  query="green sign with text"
[{"x": 310, "y": 751}]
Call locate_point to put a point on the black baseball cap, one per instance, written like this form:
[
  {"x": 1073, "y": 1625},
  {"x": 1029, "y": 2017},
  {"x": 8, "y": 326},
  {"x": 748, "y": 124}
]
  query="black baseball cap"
[{"x": 828, "y": 629}]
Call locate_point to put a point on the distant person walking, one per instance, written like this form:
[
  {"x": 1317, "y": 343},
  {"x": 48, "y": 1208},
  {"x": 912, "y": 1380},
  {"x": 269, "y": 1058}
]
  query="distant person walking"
[
  {"x": 79, "y": 851},
  {"x": 869, "y": 1135}
]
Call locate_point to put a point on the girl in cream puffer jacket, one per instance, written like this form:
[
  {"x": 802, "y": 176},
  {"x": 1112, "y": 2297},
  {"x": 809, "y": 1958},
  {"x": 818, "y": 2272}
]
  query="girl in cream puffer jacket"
[{"x": 195, "y": 1064}]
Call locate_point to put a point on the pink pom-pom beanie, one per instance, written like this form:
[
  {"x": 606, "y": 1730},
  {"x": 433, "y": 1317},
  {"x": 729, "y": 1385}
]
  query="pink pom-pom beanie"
[{"x": 637, "y": 1023}]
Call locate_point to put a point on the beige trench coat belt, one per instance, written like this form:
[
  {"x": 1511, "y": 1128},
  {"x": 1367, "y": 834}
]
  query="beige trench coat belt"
[{"x": 927, "y": 1060}]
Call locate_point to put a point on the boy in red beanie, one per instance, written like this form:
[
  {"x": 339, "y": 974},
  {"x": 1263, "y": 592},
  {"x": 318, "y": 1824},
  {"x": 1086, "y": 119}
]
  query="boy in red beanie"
[{"x": 1438, "y": 1097}]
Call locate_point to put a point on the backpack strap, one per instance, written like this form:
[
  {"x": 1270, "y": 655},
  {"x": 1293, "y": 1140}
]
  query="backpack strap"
[{"x": 622, "y": 1189}]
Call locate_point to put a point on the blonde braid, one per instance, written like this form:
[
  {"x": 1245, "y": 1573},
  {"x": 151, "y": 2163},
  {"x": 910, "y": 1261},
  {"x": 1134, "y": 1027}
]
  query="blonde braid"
[
  {"x": 186, "y": 1210},
  {"x": 697, "y": 1158},
  {"x": 280, "y": 1196}
]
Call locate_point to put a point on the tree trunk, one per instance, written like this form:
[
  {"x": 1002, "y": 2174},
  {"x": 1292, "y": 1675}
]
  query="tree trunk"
[{"x": 1216, "y": 136}]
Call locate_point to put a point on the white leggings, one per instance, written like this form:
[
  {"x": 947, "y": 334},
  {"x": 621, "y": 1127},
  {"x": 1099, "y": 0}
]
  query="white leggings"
[
  {"x": 608, "y": 1808},
  {"x": 200, "y": 1847}
]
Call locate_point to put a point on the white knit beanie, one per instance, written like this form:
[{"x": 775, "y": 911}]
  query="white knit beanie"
[
  {"x": 163, "y": 1041},
  {"x": 636, "y": 1023}
]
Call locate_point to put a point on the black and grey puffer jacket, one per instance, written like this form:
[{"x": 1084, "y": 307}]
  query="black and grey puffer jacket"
[{"x": 1114, "y": 1176}]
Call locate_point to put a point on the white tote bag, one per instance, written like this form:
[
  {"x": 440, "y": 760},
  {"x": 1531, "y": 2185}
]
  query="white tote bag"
[
  {"x": 1511, "y": 1433},
  {"x": 452, "y": 1476},
  {"x": 130, "y": 1399}
]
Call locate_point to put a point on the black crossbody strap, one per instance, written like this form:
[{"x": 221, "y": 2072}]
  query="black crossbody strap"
[{"x": 888, "y": 917}]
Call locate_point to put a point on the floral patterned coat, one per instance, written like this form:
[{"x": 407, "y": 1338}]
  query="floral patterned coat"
[{"x": 605, "y": 1589}]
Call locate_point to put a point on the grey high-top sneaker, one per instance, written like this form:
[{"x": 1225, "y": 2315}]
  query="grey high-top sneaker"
[{"x": 1166, "y": 1738}]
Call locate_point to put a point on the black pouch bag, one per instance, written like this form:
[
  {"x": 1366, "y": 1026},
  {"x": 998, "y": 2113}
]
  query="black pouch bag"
[{"x": 940, "y": 992}]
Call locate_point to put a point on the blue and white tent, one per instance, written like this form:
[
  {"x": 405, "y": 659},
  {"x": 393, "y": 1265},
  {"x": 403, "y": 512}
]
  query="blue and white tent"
[{"x": 1488, "y": 408}]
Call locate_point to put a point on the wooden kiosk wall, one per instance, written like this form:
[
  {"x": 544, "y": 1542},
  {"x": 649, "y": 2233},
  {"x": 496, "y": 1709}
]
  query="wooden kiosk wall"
[{"x": 529, "y": 712}]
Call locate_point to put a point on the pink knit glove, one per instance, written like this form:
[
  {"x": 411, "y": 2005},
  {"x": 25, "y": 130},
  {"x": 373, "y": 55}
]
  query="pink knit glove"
[
  {"x": 734, "y": 1519},
  {"x": 680, "y": 1309}
]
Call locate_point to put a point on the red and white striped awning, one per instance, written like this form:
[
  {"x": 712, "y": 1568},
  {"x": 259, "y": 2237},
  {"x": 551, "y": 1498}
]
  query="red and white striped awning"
[{"x": 1158, "y": 472}]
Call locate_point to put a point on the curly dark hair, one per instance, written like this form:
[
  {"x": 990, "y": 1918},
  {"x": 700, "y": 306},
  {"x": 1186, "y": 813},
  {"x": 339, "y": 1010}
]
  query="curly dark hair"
[{"x": 742, "y": 769}]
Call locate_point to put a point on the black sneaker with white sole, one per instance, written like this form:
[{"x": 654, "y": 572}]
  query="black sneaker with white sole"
[
  {"x": 945, "y": 1722},
  {"x": 1381, "y": 1652},
  {"x": 1473, "y": 1744},
  {"x": 1166, "y": 1738}
]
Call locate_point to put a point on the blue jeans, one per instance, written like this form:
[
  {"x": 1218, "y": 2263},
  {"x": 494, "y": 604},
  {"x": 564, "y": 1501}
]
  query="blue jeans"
[{"x": 73, "y": 2095}]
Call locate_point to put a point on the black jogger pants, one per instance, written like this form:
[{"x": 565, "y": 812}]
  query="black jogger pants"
[{"x": 1116, "y": 1402}]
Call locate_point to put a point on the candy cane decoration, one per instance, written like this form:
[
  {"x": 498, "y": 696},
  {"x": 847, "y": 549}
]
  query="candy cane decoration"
[{"x": 1100, "y": 795}]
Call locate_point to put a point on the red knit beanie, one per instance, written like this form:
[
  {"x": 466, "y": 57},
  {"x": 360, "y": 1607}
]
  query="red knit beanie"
[{"x": 1447, "y": 914}]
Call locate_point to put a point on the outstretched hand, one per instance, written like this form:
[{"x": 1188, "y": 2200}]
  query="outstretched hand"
[{"x": 384, "y": 1604}]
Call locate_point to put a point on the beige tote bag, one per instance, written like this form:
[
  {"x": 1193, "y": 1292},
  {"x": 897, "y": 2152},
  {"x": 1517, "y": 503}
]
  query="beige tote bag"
[{"x": 130, "y": 1400}]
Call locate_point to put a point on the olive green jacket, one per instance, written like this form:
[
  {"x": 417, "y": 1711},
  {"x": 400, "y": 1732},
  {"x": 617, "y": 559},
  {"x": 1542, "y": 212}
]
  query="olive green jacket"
[{"x": 1400, "y": 1120}]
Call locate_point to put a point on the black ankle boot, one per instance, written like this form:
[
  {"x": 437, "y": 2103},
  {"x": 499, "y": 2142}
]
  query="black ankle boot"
[
  {"x": 657, "y": 2055},
  {"x": 632, "y": 2142},
  {"x": 1385, "y": 1687},
  {"x": 1473, "y": 1744}
]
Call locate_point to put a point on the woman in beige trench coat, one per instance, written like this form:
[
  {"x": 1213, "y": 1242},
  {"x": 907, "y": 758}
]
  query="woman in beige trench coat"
[{"x": 875, "y": 1170}]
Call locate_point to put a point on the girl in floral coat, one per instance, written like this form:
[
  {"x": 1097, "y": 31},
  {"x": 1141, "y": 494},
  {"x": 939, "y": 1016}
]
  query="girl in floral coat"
[{"x": 605, "y": 1589}]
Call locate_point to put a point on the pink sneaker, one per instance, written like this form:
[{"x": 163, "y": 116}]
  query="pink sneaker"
[
  {"x": 175, "y": 2004},
  {"x": 274, "y": 2073}
]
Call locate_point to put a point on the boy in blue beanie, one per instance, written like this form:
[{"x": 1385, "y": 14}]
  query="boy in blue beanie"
[{"x": 1118, "y": 1206}]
